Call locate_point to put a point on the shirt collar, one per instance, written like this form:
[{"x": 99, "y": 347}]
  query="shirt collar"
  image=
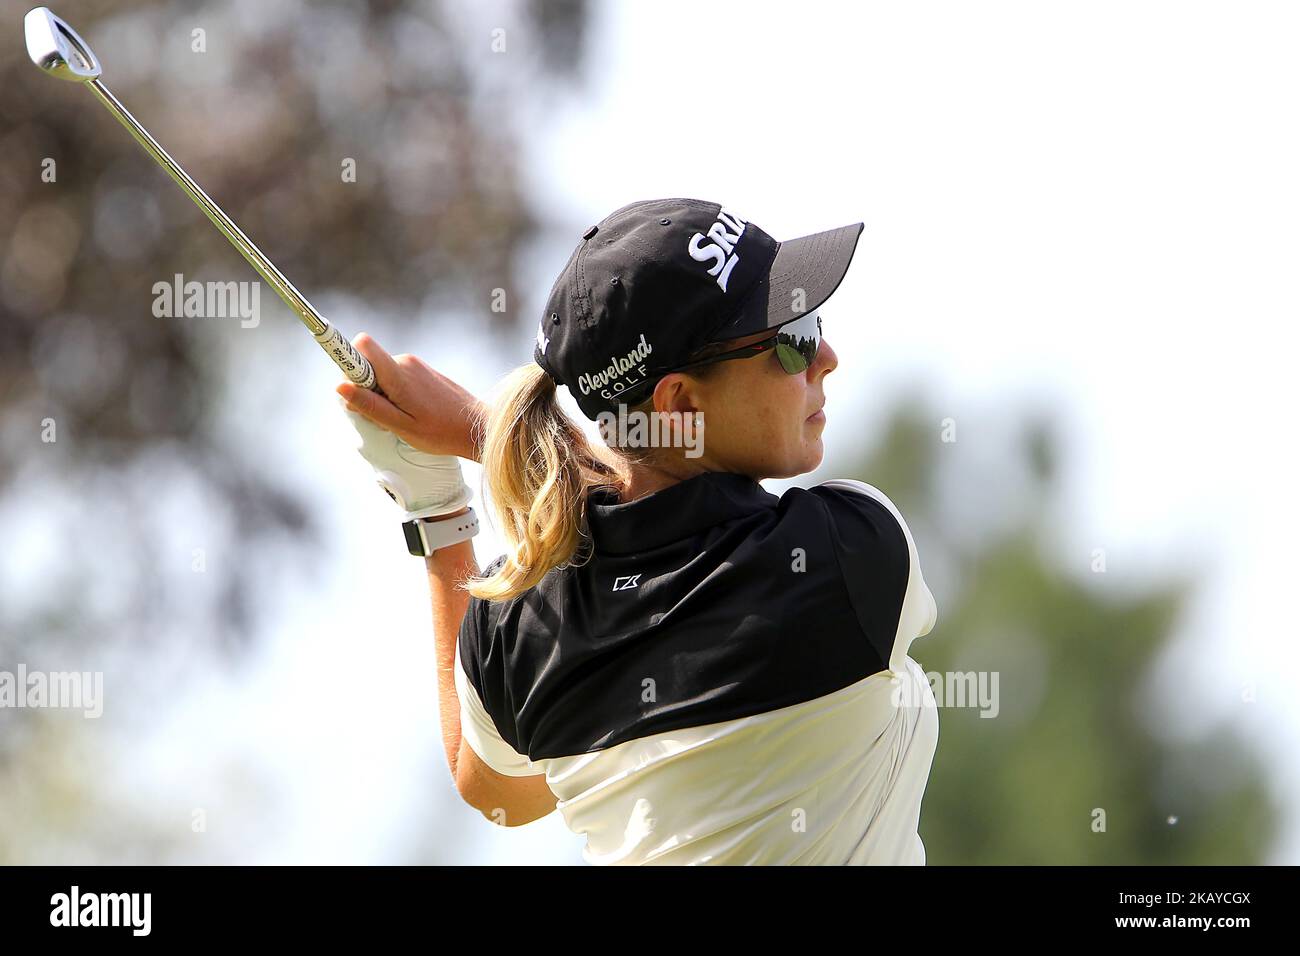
[{"x": 673, "y": 513}]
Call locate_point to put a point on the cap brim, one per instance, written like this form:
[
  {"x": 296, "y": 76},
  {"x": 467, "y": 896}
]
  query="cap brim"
[{"x": 803, "y": 275}]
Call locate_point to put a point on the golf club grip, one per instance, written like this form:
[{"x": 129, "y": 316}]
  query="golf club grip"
[{"x": 354, "y": 365}]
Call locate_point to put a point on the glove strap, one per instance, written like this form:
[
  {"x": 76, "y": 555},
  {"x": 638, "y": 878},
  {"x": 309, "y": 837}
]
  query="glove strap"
[{"x": 426, "y": 535}]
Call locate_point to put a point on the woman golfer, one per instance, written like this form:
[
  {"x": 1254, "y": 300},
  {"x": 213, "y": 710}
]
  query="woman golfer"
[{"x": 690, "y": 668}]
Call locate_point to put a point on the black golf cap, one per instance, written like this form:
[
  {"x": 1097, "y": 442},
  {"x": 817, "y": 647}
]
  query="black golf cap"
[{"x": 655, "y": 281}]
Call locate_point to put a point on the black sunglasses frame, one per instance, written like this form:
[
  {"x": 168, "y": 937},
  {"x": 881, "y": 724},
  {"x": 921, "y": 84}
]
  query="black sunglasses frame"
[{"x": 789, "y": 353}]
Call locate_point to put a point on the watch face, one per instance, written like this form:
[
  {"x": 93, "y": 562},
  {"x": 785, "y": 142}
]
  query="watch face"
[{"x": 414, "y": 540}]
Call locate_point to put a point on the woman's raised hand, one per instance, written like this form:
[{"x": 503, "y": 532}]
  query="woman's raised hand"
[{"x": 419, "y": 404}]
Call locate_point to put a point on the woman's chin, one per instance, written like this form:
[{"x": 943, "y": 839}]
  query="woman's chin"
[{"x": 812, "y": 457}]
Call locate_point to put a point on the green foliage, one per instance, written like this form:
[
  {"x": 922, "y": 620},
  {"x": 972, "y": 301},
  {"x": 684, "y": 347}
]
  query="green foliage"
[{"x": 1074, "y": 732}]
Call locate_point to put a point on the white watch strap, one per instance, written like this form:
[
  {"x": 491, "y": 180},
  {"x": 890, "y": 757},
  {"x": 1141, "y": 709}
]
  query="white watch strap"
[{"x": 426, "y": 535}]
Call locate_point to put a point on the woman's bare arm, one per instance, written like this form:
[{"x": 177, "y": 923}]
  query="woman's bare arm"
[{"x": 508, "y": 801}]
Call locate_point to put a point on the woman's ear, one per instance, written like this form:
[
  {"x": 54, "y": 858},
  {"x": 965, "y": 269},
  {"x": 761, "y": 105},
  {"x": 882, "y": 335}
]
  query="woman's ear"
[{"x": 679, "y": 392}]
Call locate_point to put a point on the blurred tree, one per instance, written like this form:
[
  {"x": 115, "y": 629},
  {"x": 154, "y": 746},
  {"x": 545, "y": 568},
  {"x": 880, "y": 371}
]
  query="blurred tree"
[
  {"x": 264, "y": 121},
  {"x": 1074, "y": 733},
  {"x": 269, "y": 113}
]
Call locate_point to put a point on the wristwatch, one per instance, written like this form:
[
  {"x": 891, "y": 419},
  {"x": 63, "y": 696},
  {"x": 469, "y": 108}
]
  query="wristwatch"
[{"x": 426, "y": 535}]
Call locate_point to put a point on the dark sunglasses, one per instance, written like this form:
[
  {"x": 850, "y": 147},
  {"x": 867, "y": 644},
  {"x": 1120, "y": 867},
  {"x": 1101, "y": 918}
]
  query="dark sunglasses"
[{"x": 796, "y": 344}]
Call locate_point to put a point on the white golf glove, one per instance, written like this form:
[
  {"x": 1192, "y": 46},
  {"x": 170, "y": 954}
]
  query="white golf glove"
[{"x": 423, "y": 485}]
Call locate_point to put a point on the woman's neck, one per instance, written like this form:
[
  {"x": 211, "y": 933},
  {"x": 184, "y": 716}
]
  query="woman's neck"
[{"x": 637, "y": 480}]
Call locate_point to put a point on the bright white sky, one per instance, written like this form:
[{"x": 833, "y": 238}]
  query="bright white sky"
[{"x": 1092, "y": 205}]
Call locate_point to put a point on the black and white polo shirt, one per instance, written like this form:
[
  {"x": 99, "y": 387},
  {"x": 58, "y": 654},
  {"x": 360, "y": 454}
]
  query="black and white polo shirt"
[{"x": 726, "y": 680}]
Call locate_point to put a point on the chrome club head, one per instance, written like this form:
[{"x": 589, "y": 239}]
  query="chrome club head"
[{"x": 55, "y": 47}]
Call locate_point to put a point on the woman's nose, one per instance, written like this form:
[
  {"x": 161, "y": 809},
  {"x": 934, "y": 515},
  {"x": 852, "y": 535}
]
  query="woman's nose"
[{"x": 826, "y": 360}]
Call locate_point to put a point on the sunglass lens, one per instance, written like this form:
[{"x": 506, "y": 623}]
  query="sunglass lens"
[
  {"x": 797, "y": 343},
  {"x": 792, "y": 360}
]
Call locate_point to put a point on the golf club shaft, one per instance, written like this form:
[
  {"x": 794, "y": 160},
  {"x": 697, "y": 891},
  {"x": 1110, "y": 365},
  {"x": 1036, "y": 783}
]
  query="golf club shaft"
[{"x": 353, "y": 364}]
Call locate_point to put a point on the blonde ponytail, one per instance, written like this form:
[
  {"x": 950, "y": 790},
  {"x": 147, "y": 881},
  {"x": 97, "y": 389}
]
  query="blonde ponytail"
[{"x": 538, "y": 467}]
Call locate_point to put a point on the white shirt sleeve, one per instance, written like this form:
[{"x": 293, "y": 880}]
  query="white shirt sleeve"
[{"x": 919, "y": 613}]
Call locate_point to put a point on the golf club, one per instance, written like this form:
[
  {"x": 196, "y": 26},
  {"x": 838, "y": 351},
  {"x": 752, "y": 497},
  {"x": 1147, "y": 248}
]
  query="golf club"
[{"x": 57, "y": 49}]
